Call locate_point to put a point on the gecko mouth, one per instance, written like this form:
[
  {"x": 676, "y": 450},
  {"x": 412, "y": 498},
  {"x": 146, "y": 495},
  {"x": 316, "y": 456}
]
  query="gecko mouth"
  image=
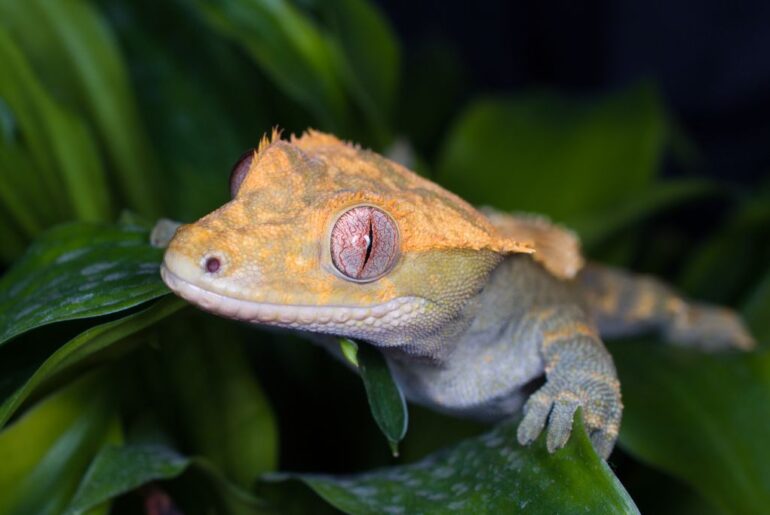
[{"x": 325, "y": 319}]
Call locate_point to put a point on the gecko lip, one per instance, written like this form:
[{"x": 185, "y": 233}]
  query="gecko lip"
[{"x": 328, "y": 319}]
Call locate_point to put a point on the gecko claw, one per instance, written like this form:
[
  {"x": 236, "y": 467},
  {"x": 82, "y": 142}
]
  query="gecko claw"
[
  {"x": 536, "y": 412},
  {"x": 601, "y": 411},
  {"x": 560, "y": 424}
]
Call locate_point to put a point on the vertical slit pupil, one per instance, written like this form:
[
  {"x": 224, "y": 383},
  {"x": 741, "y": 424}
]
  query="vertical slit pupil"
[{"x": 369, "y": 243}]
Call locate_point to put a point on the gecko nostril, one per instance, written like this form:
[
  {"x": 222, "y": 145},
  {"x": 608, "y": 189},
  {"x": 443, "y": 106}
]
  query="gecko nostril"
[{"x": 212, "y": 265}]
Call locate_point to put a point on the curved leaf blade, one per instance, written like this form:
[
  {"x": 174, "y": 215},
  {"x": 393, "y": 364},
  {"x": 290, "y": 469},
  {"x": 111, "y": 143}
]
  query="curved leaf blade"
[
  {"x": 385, "y": 397},
  {"x": 117, "y": 470},
  {"x": 370, "y": 58},
  {"x": 85, "y": 346},
  {"x": 77, "y": 271},
  {"x": 547, "y": 154},
  {"x": 488, "y": 474},
  {"x": 597, "y": 227},
  {"x": 76, "y": 55},
  {"x": 757, "y": 310},
  {"x": 45, "y": 453},
  {"x": 61, "y": 153},
  {"x": 225, "y": 416},
  {"x": 289, "y": 47},
  {"x": 703, "y": 418}
]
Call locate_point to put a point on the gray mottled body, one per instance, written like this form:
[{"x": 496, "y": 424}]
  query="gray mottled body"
[
  {"x": 499, "y": 352},
  {"x": 526, "y": 324}
]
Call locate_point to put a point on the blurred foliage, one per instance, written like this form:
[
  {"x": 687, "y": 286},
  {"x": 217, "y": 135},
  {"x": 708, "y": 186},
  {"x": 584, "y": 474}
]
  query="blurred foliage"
[{"x": 110, "y": 394}]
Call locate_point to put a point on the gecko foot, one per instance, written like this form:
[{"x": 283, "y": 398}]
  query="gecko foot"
[
  {"x": 556, "y": 403},
  {"x": 710, "y": 328}
]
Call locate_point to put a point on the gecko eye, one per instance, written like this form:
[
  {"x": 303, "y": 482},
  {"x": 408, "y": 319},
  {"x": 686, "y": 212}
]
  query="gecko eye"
[
  {"x": 240, "y": 169},
  {"x": 364, "y": 243}
]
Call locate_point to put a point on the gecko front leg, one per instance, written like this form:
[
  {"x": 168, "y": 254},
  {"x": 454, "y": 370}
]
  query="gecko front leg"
[{"x": 579, "y": 374}]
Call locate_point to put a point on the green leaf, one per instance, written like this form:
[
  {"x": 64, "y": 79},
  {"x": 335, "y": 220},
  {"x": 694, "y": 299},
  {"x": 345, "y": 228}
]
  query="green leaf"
[
  {"x": 75, "y": 54},
  {"x": 736, "y": 253},
  {"x": 757, "y": 310},
  {"x": 117, "y": 470},
  {"x": 291, "y": 50},
  {"x": 84, "y": 347},
  {"x": 229, "y": 109},
  {"x": 385, "y": 397},
  {"x": 349, "y": 350},
  {"x": 546, "y": 154},
  {"x": 77, "y": 271},
  {"x": 371, "y": 58},
  {"x": 701, "y": 417},
  {"x": 220, "y": 409},
  {"x": 45, "y": 453},
  {"x": 13, "y": 240},
  {"x": 59, "y": 152},
  {"x": 597, "y": 227},
  {"x": 488, "y": 474}
]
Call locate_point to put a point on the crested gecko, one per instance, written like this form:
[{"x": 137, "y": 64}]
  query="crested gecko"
[{"x": 478, "y": 313}]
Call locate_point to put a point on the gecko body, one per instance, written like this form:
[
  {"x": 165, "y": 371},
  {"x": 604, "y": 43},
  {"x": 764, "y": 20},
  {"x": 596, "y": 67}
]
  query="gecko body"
[{"x": 479, "y": 313}]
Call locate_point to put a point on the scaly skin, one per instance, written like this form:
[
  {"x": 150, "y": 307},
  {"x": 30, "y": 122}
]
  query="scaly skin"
[{"x": 470, "y": 309}]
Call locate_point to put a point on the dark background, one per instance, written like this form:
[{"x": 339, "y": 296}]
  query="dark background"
[{"x": 710, "y": 60}]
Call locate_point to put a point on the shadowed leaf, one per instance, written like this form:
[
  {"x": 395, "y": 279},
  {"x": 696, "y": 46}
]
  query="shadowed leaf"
[
  {"x": 76, "y": 56},
  {"x": 118, "y": 470},
  {"x": 546, "y": 154},
  {"x": 701, "y": 417},
  {"x": 45, "y": 453},
  {"x": 385, "y": 397},
  {"x": 290, "y": 48},
  {"x": 79, "y": 271},
  {"x": 59, "y": 172},
  {"x": 83, "y": 347},
  {"x": 488, "y": 474},
  {"x": 202, "y": 373}
]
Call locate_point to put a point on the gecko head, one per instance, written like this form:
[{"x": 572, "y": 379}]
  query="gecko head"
[{"x": 326, "y": 237}]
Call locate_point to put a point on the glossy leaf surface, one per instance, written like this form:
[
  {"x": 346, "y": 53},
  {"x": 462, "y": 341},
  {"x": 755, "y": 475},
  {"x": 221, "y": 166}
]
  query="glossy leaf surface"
[
  {"x": 79, "y": 271},
  {"x": 488, "y": 474},
  {"x": 703, "y": 418}
]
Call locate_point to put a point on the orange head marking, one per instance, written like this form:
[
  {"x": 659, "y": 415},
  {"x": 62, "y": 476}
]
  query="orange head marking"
[{"x": 272, "y": 243}]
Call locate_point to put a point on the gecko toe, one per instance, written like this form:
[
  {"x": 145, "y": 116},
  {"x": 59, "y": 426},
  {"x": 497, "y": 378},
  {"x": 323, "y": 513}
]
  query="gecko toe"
[
  {"x": 535, "y": 414},
  {"x": 560, "y": 424},
  {"x": 603, "y": 443}
]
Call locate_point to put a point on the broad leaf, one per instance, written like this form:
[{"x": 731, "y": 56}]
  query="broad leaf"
[
  {"x": 371, "y": 58},
  {"x": 117, "y": 470},
  {"x": 60, "y": 174},
  {"x": 488, "y": 474},
  {"x": 84, "y": 347},
  {"x": 385, "y": 397},
  {"x": 735, "y": 253},
  {"x": 546, "y": 154},
  {"x": 701, "y": 417},
  {"x": 757, "y": 310},
  {"x": 78, "y": 271},
  {"x": 229, "y": 110},
  {"x": 597, "y": 227},
  {"x": 45, "y": 453},
  {"x": 219, "y": 409},
  {"x": 290, "y": 48},
  {"x": 75, "y": 54}
]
